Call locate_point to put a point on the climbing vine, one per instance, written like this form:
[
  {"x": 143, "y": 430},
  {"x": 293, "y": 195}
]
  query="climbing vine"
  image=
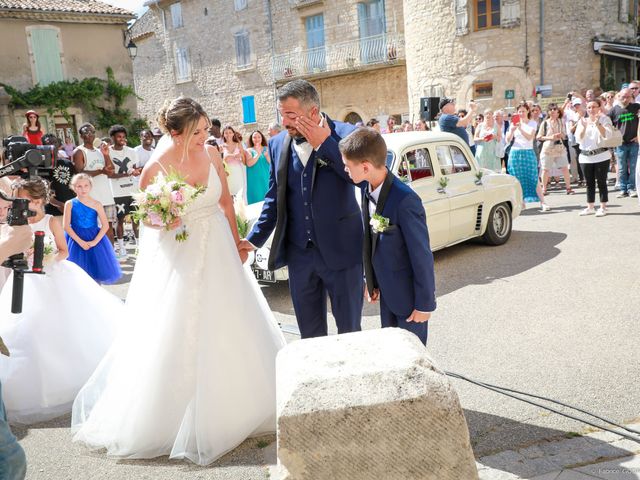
[{"x": 103, "y": 98}]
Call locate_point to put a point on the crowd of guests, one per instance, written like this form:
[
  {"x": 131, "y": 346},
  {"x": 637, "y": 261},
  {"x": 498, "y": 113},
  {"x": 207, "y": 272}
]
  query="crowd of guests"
[
  {"x": 578, "y": 142},
  {"x": 247, "y": 164}
]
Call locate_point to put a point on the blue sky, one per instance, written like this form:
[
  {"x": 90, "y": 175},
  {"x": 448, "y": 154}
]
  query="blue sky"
[{"x": 135, "y": 6}]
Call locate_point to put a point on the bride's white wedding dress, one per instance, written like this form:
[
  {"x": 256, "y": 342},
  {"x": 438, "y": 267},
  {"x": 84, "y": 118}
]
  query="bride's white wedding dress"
[{"x": 193, "y": 374}]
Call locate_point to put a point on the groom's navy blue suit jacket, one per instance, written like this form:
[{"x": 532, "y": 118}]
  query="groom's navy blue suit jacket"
[
  {"x": 400, "y": 257},
  {"x": 319, "y": 199}
]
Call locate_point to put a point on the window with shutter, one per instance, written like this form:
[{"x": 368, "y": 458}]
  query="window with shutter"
[
  {"x": 46, "y": 54},
  {"x": 183, "y": 65},
  {"x": 372, "y": 27},
  {"x": 243, "y": 49},
  {"x": 240, "y": 5},
  {"x": 487, "y": 14},
  {"x": 462, "y": 17},
  {"x": 248, "y": 109},
  {"x": 509, "y": 13},
  {"x": 176, "y": 15}
]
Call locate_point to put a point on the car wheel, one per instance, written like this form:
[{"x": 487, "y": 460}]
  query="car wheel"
[{"x": 499, "y": 225}]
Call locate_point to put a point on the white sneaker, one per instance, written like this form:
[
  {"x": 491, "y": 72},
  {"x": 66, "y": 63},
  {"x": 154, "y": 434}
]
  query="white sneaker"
[
  {"x": 545, "y": 207},
  {"x": 601, "y": 212},
  {"x": 633, "y": 194},
  {"x": 587, "y": 211}
]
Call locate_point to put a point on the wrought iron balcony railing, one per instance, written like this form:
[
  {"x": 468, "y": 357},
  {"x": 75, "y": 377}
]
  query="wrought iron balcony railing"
[{"x": 337, "y": 57}]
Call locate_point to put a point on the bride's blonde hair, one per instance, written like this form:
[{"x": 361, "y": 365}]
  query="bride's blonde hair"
[{"x": 181, "y": 115}]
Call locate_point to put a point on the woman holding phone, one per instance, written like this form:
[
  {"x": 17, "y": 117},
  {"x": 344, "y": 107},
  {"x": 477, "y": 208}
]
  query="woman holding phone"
[
  {"x": 594, "y": 159},
  {"x": 522, "y": 159},
  {"x": 487, "y": 136}
]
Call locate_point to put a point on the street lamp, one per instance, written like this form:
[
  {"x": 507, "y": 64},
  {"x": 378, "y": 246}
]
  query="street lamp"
[{"x": 132, "y": 49}]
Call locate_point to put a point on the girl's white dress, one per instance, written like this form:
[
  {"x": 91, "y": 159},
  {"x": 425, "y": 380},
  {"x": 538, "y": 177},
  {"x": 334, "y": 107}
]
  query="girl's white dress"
[
  {"x": 67, "y": 324},
  {"x": 192, "y": 374}
]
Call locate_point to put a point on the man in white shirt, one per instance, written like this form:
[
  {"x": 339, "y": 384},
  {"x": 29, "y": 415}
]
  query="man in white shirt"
[
  {"x": 145, "y": 149},
  {"x": 123, "y": 186}
]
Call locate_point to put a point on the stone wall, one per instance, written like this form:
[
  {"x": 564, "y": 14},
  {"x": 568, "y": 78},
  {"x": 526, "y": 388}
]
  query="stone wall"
[
  {"x": 441, "y": 62},
  {"x": 216, "y": 81},
  {"x": 218, "y": 84}
]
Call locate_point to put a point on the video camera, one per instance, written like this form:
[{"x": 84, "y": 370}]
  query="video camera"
[{"x": 26, "y": 159}]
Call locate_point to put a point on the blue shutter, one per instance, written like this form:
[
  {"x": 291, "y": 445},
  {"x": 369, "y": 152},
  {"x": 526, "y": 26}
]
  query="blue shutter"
[
  {"x": 248, "y": 109},
  {"x": 46, "y": 55}
]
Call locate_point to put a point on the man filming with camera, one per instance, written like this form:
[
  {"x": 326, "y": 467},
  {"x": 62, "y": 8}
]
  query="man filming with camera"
[{"x": 13, "y": 240}]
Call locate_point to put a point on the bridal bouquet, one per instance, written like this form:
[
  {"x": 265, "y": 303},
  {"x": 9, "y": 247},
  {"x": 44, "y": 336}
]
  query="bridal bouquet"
[{"x": 166, "y": 200}]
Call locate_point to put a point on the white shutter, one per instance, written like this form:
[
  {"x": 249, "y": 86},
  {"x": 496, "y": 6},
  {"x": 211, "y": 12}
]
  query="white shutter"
[
  {"x": 509, "y": 13},
  {"x": 462, "y": 17},
  {"x": 183, "y": 64},
  {"x": 243, "y": 49},
  {"x": 240, "y": 5},
  {"x": 176, "y": 15},
  {"x": 623, "y": 11}
]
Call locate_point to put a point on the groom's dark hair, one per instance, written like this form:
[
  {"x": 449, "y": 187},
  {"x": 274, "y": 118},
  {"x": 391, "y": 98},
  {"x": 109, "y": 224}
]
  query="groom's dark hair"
[
  {"x": 364, "y": 145},
  {"x": 302, "y": 91}
]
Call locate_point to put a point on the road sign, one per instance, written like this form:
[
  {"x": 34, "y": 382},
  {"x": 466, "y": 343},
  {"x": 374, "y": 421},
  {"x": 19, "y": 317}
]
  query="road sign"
[{"x": 509, "y": 94}]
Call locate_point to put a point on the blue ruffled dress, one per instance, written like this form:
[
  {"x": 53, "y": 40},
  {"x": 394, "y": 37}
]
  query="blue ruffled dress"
[{"x": 100, "y": 261}]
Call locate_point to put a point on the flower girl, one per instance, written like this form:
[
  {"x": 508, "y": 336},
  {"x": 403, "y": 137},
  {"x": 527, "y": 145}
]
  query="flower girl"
[
  {"x": 89, "y": 248},
  {"x": 66, "y": 326}
]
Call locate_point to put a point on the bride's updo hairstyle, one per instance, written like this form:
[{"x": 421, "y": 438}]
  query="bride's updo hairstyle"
[{"x": 181, "y": 116}]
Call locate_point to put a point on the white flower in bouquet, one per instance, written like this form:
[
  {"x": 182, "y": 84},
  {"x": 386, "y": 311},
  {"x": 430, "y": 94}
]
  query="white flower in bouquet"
[{"x": 241, "y": 215}]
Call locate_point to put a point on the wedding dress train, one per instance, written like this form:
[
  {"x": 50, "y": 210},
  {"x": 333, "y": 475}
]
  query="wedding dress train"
[{"x": 192, "y": 375}]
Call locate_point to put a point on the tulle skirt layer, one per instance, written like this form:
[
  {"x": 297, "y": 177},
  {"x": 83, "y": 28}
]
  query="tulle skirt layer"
[
  {"x": 193, "y": 373},
  {"x": 67, "y": 324},
  {"x": 99, "y": 262}
]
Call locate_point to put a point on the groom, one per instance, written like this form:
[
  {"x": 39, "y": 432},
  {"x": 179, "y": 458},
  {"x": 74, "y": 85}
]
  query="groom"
[{"x": 311, "y": 204}]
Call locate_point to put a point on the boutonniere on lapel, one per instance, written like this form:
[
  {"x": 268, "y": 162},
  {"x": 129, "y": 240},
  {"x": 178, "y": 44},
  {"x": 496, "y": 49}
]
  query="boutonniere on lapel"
[
  {"x": 321, "y": 162},
  {"x": 378, "y": 223}
]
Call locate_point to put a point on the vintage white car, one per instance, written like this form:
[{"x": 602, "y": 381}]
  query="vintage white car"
[{"x": 462, "y": 201}]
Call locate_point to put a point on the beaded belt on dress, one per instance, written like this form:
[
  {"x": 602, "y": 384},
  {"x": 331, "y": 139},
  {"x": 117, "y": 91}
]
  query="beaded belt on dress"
[{"x": 590, "y": 153}]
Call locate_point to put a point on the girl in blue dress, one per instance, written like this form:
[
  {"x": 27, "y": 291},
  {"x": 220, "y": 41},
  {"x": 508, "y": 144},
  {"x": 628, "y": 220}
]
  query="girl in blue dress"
[{"x": 86, "y": 241}]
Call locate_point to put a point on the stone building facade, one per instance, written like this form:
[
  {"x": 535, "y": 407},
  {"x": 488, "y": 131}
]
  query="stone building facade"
[
  {"x": 52, "y": 40},
  {"x": 232, "y": 55},
  {"x": 477, "y": 49}
]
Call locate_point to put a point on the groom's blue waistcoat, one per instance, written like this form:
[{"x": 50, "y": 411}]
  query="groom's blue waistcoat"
[
  {"x": 320, "y": 207},
  {"x": 300, "y": 229}
]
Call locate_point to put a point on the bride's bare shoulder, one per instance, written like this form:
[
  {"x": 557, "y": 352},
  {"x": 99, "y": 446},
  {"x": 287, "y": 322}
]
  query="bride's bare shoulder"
[
  {"x": 214, "y": 155},
  {"x": 149, "y": 172}
]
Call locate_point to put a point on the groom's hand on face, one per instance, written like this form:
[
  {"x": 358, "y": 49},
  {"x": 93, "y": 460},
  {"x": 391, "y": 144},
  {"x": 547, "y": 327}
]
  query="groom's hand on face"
[
  {"x": 315, "y": 133},
  {"x": 419, "y": 317}
]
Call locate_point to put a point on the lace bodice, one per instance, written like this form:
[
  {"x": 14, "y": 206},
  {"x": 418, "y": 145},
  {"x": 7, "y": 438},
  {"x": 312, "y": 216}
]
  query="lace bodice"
[{"x": 207, "y": 203}]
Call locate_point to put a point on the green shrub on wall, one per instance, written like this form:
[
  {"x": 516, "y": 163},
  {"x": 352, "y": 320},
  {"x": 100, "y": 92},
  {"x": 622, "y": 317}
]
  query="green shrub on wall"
[{"x": 104, "y": 99}]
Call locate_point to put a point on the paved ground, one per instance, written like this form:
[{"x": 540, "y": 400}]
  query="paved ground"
[{"x": 552, "y": 312}]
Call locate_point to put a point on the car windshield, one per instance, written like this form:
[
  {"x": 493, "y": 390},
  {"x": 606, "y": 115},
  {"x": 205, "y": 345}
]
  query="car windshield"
[{"x": 390, "y": 157}]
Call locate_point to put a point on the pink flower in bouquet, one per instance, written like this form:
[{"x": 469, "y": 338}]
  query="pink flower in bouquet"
[
  {"x": 177, "y": 196},
  {"x": 155, "y": 219}
]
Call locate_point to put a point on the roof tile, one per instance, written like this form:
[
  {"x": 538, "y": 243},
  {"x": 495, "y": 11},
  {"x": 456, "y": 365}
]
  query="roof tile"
[{"x": 64, "y": 6}]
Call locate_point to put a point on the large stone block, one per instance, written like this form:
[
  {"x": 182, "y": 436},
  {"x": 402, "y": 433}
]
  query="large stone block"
[{"x": 369, "y": 405}]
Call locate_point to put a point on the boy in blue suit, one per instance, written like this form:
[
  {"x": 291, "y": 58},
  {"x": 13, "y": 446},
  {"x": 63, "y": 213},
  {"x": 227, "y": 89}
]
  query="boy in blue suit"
[{"x": 398, "y": 262}]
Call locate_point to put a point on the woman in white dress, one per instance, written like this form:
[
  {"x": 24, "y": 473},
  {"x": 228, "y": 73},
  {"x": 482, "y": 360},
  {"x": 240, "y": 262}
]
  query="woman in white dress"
[
  {"x": 66, "y": 326},
  {"x": 193, "y": 375}
]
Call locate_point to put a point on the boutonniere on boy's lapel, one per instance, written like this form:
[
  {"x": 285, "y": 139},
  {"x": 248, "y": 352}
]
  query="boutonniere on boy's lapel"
[
  {"x": 378, "y": 223},
  {"x": 321, "y": 162}
]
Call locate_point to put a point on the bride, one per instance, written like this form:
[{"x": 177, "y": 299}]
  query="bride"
[{"x": 193, "y": 373}]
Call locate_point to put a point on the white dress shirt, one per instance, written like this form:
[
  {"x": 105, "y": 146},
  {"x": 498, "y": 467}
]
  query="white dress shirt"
[
  {"x": 304, "y": 151},
  {"x": 374, "y": 195}
]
